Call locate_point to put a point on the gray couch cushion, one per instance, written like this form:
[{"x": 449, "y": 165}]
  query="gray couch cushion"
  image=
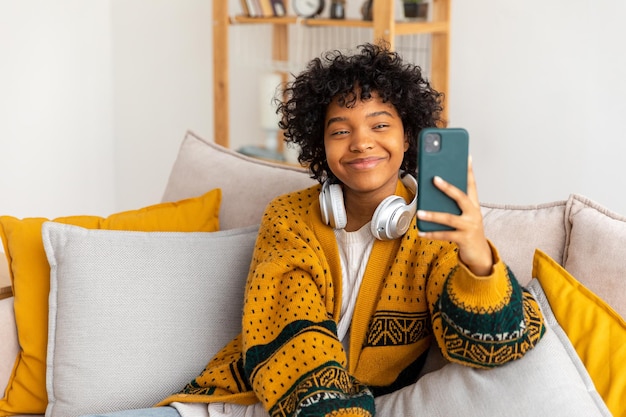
[
  {"x": 9, "y": 346},
  {"x": 247, "y": 184},
  {"x": 518, "y": 230},
  {"x": 595, "y": 250}
]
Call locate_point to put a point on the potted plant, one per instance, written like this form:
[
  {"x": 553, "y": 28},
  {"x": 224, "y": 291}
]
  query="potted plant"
[{"x": 415, "y": 9}]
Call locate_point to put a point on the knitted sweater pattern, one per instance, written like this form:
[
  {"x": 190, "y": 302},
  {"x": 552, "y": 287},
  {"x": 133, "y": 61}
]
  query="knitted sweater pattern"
[{"x": 288, "y": 355}]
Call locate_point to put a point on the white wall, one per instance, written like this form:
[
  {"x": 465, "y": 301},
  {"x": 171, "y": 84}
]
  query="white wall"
[
  {"x": 56, "y": 149},
  {"x": 542, "y": 91},
  {"x": 540, "y": 87},
  {"x": 163, "y": 83},
  {"x": 95, "y": 98}
]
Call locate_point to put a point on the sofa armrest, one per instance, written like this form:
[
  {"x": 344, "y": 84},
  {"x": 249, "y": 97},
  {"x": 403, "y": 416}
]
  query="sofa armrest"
[{"x": 9, "y": 347}]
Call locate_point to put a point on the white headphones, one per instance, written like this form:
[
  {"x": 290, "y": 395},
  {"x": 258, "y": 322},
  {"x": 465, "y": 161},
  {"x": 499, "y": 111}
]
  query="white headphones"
[{"x": 391, "y": 218}]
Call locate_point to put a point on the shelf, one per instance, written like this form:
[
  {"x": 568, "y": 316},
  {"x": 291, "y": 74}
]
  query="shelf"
[
  {"x": 383, "y": 25},
  {"x": 401, "y": 27},
  {"x": 290, "y": 20},
  {"x": 286, "y": 20},
  {"x": 412, "y": 28}
]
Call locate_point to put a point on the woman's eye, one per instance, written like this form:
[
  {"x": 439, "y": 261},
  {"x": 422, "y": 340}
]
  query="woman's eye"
[
  {"x": 339, "y": 132},
  {"x": 380, "y": 126}
]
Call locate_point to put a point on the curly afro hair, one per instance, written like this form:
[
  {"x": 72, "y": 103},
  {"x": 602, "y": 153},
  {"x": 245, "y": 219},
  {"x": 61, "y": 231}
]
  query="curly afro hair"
[{"x": 350, "y": 78}]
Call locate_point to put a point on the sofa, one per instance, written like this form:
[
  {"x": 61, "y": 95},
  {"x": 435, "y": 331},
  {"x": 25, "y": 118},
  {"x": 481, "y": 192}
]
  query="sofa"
[{"x": 124, "y": 310}]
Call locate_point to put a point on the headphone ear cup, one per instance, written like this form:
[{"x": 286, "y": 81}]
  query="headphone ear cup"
[
  {"x": 392, "y": 218},
  {"x": 381, "y": 220},
  {"x": 332, "y": 207},
  {"x": 338, "y": 217}
]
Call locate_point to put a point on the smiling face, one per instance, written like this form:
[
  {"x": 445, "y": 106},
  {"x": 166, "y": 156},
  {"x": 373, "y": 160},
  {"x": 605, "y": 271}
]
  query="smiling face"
[{"x": 365, "y": 146}]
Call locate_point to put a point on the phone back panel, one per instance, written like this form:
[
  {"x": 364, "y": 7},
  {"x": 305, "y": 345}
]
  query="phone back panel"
[{"x": 449, "y": 162}]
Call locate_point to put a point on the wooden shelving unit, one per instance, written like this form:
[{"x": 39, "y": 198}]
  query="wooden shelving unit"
[{"x": 384, "y": 27}]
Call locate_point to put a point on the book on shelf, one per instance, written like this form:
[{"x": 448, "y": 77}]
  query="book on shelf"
[
  {"x": 250, "y": 8},
  {"x": 266, "y": 8},
  {"x": 263, "y": 8},
  {"x": 244, "y": 7},
  {"x": 278, "y": 7},
  {"x": 259, "y": 8}
]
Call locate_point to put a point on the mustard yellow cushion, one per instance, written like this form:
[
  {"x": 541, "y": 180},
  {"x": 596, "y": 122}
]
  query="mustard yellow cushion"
[
  {"x": 596, "y": 331},
  {"x": 30, "y": 274}
]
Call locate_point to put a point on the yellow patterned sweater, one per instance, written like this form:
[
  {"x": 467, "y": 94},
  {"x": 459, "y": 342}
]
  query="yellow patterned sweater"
[{"x": 288, "y": 355}]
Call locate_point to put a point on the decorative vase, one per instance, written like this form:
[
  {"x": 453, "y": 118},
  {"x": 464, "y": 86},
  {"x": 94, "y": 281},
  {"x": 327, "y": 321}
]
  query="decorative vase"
[
  {"x": 337, "y": 10},
  {"x": 366, "y": 10}
]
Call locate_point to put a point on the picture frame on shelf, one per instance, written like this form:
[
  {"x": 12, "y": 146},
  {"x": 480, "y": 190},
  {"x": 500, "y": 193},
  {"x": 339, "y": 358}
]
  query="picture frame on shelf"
[{"x": 415, "y": 9}]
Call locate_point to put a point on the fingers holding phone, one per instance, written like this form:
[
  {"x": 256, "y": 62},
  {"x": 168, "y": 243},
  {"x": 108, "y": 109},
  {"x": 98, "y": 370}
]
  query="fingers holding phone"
[{"x": 448, "y": 205}]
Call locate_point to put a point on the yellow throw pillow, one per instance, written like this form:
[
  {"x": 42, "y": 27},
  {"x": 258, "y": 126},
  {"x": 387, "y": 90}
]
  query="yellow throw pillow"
[
  {"x": 596, "y": 331},
  {"x": 30, "y": 274}
]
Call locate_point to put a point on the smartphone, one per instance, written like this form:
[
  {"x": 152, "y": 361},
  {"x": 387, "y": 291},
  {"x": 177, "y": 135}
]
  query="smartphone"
[{"x": 442, "y": 152}]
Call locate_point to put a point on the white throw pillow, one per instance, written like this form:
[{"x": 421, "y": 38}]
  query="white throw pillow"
[
  {"x": 134, "y": 316},
  {"x": 550, "y": 380}
]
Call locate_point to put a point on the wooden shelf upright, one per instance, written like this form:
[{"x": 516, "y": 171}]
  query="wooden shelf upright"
[{"x": 384, "y": 27}]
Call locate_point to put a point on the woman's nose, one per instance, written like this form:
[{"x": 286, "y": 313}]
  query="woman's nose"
[{"x": 361, "y": 141}]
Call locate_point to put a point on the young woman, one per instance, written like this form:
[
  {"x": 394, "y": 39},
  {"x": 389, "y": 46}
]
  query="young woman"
[{"x": 340, "y": 306}]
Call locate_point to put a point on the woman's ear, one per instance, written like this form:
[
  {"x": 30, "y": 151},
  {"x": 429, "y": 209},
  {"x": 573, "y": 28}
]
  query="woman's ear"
[{"x": 407, "y": 144}]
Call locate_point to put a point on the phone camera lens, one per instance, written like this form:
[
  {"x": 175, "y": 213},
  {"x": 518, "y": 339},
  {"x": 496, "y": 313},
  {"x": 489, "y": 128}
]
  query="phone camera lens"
[{"x": 432, "y": 143}]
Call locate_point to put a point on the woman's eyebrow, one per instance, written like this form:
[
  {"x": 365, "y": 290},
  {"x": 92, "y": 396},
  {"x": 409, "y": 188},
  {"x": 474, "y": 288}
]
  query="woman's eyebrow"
[
  {"x": 373, "y": 114},
  {"x": 379, "y": 113},
  {"x": 335, "y": 120}
]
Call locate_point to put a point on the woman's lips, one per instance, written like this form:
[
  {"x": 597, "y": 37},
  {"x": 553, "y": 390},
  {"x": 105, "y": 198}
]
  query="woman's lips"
[{"x": 364, "y": 163}]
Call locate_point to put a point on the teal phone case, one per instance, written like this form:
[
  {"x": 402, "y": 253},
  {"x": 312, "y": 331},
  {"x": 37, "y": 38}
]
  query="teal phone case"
[{"x": 448, "y": 162}]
